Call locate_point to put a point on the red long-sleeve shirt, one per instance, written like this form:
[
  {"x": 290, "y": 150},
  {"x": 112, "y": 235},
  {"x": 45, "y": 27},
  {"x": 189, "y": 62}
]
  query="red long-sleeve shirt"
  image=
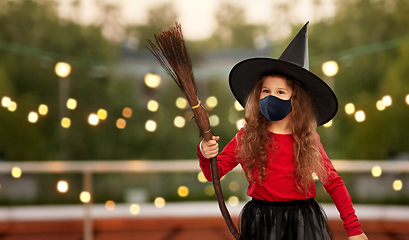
[{"x": 279, "y": 182}]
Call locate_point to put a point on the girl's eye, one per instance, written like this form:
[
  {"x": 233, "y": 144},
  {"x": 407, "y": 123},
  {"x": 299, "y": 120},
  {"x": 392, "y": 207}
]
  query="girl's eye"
[
  {"x": 281, "y": 92},
  {"x": 266, "y": 91}
]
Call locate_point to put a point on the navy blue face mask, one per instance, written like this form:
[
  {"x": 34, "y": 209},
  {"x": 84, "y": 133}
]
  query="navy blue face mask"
[{"x": 274, "y": 108}]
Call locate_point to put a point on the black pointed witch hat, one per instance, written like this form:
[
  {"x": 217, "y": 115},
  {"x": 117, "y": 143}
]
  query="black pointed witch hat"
[{"x": 293, "y": 64}]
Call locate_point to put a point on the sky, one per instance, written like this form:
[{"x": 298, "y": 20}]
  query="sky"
[{"x": 196, "y": 16}]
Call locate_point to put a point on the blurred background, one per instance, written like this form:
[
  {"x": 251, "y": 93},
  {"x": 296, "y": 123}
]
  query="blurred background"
[{"x": 97, "y": 142}]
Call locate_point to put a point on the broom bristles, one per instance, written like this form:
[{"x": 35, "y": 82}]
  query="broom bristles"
[{"x": 173, "y": 56}]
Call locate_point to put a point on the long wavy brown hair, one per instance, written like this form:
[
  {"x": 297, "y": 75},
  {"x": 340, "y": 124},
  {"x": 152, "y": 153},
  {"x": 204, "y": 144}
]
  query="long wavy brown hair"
[{"x": 256, "y": 141}]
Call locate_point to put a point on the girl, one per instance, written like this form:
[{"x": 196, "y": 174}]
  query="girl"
[{"x": 279, "y": 148}]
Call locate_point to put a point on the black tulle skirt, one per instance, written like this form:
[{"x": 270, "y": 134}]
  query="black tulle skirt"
[{"x": 288, "y": 220}]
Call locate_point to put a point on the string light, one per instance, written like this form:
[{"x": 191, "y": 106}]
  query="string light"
[
  {"x": 110, "y": 205},
  {"x": 350, "y": 108},
  {"x": 201, "y": 177},
  {"x": 387, "y": 100},
  {"x": 211, "y": 102},
  {"x": 33, "y": 117},
  {"x": 233, "y": 201},
  {"x": 71, "y": 103},
  {"x": 214, "y": 120},
  {"x": 120, "y": 123},
  {"x": 240, "y": 123},
  {"x": 209, "y": 190},
  {"x": 43, "y": 109},
  {"x": 397, "y": 185},
  {"x": 181, "y": 103},
  {"x": 360, "y": 116},
  {"x": 62, "y": 69},
  {"x": 380, "y": 105},
  {"x": 16, "y": 172},
  {"x": 127, "y": 112},
  {"x": 234, "y": 186},
  {"x": 160, "y": 202},
  {"x": 152, "y": 80},
  {"x": 238, "y": 106},
  {"x": 65, "y": 122},
  {"x": 183, "y": 191},
  {"x": 102, "y": 114},
  {"x": 376, "y": 171},
  {"x": 179, "y": 122},
  {"x": 62, "y": 186},
  {"x": 330, "y": 68},
  {"x": 5, "y": 102},
  {"x": 135, "y": 209},
  {"x": 150, "y": 126},
  {"x": 328, "y": 124},
  {"x": 153, "y": 106},
  {"x": 85, "y": 197},
  {"x": 12, "y": 106},
  {"x": 93, "y": 119}
]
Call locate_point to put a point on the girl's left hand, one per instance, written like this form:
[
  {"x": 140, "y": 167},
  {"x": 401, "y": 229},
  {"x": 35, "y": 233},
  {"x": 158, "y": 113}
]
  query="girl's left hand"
[{"x": 358, "y": 237}]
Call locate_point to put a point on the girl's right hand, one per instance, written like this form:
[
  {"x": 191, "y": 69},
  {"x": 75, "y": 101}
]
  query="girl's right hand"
[{"x": 210, "y": 148}]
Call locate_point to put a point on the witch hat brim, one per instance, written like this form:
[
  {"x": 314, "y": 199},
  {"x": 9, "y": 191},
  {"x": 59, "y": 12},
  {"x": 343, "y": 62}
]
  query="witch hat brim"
[{"x": 293, "y": 64}]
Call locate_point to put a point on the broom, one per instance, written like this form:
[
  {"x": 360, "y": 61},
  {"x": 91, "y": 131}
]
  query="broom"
[{"x": 171, "y": 52}]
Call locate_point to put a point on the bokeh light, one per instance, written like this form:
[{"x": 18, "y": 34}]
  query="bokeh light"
[
  {"x": 5, "y": 102},
  {"x": 153, "y": 106},
  {"x": 16, "y": 172},
  {"x": 233, "y": 201},
  {"x": 387, "y": 100},
  {"x": 127, "y": 112},
  {"x": 93, "y": 119},
  {"x": 33, "y": 117},
  {"x": 62, "y": 69},
  {"x": 150, "y": 126},
  {"x": 152, "y": 80},
  {"x": 328, "y": 124},
  {"x": 65, "y": 122},
  {"x": 407, "y": 99},
  {"x": 179, "y": 122},
  {"x": 201, "y": 177},
  {"x": 12, "y": 106},
  {"x": 160, "y": 202},
  {"x": 380, "y": 105},
  {"x": 71, "y": 103},
  {"x": 238, "y": 106},
  {"x": 234, "y": 186},
  {"x": 214, "y": 120},
  {"x": 110, "y": 205},
  {"x": 181, "y": 103},
  {"x": 360, "y": 116},
  {"x": 330, "y": 68},
  {"x": 183, "y": 191},
  {"x": 62, "y": 186},
  {"x": 102, "y": 114},
  {"x": 43, "y": 109},
  {"x": 397, "y": 185},
  {"x": 349, "y": 108},
  {"x": 135, "y": 209},
  {"x": 209, "y": 190},
  {"x": 85, "y": 197},
  {"x": 376, "y": 171},
  {"x": 211, "y": 102},
  {"x": 120, "y": 123},
  {"x": 240, "y": 123}
]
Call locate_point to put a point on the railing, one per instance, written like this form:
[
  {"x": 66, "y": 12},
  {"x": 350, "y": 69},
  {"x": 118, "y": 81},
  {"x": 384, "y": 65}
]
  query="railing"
[{"x": 87, "y": 168}]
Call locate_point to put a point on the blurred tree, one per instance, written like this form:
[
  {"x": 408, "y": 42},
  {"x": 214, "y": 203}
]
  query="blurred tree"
[
  {"x": 233, "y": 31},
  {"x": 159, "y": 18},
  {"x": 368, "y": 39},
  {"x": 33, "y": 39}
]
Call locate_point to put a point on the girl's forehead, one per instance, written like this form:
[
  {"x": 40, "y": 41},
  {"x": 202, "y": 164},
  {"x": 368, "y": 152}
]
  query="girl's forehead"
[{"x": 275, "y": 81}]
